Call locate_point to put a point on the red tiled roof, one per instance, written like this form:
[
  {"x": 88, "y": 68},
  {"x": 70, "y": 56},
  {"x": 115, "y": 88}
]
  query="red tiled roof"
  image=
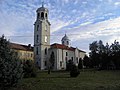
[
  {"x": 60, "y": 46},
  {"x": 21, "y": 47}
]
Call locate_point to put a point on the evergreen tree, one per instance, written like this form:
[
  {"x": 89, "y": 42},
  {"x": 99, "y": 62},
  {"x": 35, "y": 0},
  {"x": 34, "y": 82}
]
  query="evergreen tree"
[
  {"x": 105, "y": 57},
  {"x": 80, "y": 64},
  {"x": 52, "y": 61},
  {"x": 10, "y": 66},
  {"x": 87, "y": 62},
  {"x": 69, "y": 65},
  {"x": 29, "y": 69}
]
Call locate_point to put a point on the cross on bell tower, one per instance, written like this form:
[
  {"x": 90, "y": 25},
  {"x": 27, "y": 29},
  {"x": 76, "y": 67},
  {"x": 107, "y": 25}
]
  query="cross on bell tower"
[{"x": 43, "y": 4}]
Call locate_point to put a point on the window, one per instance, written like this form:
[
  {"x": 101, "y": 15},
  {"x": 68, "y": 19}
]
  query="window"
[
  {"x": 37, "y": 40},
  {"x": 36, "y": 50},
  {"x": 77, "y": 59},
  {"x": 31, "y": 55},
  {"x": 63, "y": 42},
  {"x": 45, "y": 63},
  {"x": 42, "y": 15},
  {"x": 37, "y": 27},
  {"x": 66, "y": 59},
  {"x": 46, "y": 15},
  {"x": 21, "y": 54},
  {"x": 66, "y": 54},
  {"x": 38, "y": 15},
  {"x": 60, "y": 63},
  {"x": 45, "y": 51},
  {"x": 45, "y": 38},
  {"x": 67, "y": 42},
  {"x": 72, "y": 58}
]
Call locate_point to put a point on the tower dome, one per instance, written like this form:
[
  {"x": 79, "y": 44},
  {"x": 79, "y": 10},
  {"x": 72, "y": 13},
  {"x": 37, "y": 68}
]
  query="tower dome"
[
  {"x": 65, "y": 40},
  {"x": 42, "y": 9},
  {"x": 42, "y": 13}
]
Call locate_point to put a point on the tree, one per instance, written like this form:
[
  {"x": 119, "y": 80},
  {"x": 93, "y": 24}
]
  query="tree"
[
  {"x": 105, "y": 57},
  {"x": 29, "y": 69},
  {"x": 87, "y": 62},
  {"x": 51, "y": 62},
  {"x": 80, "y": 64},
  {"x": 94, "y": 53},
  {"x": 10, "y": 66},
  {"x": 115, "y": 54},
  {"x": 69, "y": 65},
  {"x": 74, "y": 72}
]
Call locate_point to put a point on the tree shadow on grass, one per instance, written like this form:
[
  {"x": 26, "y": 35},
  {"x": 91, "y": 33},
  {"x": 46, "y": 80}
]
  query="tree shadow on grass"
[{"x": 56, "y": 77}]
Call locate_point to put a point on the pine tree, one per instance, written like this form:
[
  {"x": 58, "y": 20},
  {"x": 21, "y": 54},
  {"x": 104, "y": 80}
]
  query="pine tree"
[
  {"x": 10, "y": 66},
  {"x": 80, "y": 65}
]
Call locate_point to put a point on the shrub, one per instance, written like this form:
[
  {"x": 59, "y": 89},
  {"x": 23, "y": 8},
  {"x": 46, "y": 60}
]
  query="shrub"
[
  {"x": 74, "y": 72},
  {"x": 29, "y": 69},
  {"x": 80, "y": 66},
  {"x": 69, "y": 65}
]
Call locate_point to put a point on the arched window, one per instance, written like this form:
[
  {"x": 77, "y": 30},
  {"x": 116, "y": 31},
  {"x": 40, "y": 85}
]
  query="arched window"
[
  {"x": 60, "y": 63},
  {"x": 36, "y": 50},
  {"x": 46, "y": 15},
  {"x": 45, "y": 63},
  {"x": 45, "y": 51},
  {"x": 37, "y": 27},
  {"x": 37, "y": 40},
  {"x": 67, "y": 43},
  {"x": 42, "y": 15},
  {"x": 66, "y": 54}
]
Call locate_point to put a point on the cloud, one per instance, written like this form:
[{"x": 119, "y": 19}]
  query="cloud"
[
  {"x": 104, "y": 28},
  {"x": 83, "y": 21},
  {"x": 117, "y": 3},
  {"x": 107, "y": 31},
  {"x": 17, "y": 22},
  {"x": 57, "y": 25}
]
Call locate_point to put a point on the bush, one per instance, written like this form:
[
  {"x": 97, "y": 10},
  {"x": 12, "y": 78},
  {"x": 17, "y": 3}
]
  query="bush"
[
  {"x": 29, "y": 69},
  {"x": 74, "y": 72},
  {"x": 80, "y": 66},
  {"x": 10, "y": 65},
  {"x": 69, "y": 65}
]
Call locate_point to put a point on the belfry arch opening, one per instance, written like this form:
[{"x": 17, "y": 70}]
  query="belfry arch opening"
[
  {"x": 46, "y": 15},
  {"x": 42, "y": 14}
]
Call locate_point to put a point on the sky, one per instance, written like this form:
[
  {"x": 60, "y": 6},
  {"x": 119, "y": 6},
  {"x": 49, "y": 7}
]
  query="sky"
[{"x": 84, "y": 21}]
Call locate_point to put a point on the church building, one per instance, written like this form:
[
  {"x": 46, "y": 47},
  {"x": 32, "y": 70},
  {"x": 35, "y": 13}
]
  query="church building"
[{"x": 55, "y": 55}]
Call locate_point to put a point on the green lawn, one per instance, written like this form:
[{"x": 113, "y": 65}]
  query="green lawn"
[{"x": 87, "y": 80}]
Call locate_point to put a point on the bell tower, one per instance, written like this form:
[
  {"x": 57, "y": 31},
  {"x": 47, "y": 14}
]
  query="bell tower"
[
  {"x": 65, "y": 40},
  {"x": 41, "y": 38}
]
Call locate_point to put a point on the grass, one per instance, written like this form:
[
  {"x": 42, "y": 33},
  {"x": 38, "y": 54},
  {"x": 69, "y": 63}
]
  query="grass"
[{"x": 87, "y": 80}]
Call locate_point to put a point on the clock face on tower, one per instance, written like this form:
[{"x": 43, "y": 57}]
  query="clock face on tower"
[{"x": 45, "y": 38}]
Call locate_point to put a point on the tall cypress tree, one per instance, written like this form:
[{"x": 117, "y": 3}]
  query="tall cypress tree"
[{"x": 10, "y": 65}]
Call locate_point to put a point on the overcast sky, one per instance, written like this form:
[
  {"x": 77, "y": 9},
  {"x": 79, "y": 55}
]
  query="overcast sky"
[{"x": 84, "y": 21}]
